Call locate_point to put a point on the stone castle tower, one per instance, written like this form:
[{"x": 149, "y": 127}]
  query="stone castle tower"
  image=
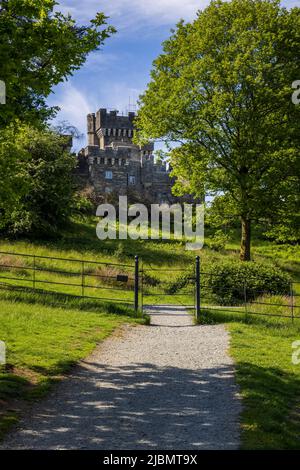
[{"x": 113, "y": 163}]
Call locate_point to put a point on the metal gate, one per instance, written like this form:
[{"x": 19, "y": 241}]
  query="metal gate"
[{"x": 168, "y": 286}]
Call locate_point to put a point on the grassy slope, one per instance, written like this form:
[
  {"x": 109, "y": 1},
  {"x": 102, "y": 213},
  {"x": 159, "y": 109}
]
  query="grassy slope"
[
  {"x": 269, "y": 382},
  {"x": 270, "y": 385},
  {"x": 45, "y": 336}
]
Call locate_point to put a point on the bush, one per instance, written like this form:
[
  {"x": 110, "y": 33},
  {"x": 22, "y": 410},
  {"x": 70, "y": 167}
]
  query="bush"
[
  {"x": 179, "y": 282},
  {"x": 82, "y": 205},
  {"x": 218, "y": 241},
  {"x": 230, "y": 280},
  {"x": 151, "y": 280},
  {"x": 47, "y": 171}
]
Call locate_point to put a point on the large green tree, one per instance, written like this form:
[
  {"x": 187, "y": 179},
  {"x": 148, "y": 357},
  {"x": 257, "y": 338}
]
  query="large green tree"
[
  {"x": 41, "y": 163},
  {"x": 39, "y": 48},
  {"x": 13, "y": 180},
  {"x": 222, "y": 91}
]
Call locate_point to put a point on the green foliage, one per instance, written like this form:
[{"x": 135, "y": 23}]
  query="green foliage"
[
  {"x": 181, "y": 281},
  {"x": 287, "y": 230},
  {"x": 222, "y": 90},
  {"x": 231, "y": 281},
  {"x": 47, "y": 173},
  {"x": 29, "y": 323},
  {"x": 269, "y": 382},
  {"x": 220, "y": 212},
  {"x": 40, "y": 48},
  {"x": 218, "y": 241},
  {"x": 82, "y": 205},
  {"x": 13, "y": 161}
]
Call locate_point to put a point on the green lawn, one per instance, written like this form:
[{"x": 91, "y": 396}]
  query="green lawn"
[
  {"x": 45, "y": 336},
  {"x": 268, "y": 380}
]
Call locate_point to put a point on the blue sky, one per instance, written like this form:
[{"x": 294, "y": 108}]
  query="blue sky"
[{"x": 121, "y": 69}]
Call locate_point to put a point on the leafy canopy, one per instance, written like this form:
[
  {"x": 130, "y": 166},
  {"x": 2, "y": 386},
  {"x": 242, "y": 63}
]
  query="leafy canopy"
[
  {"x": 221, "y": 90},
  {"x": 42, "y": 167},
  {"x": 39, "y": 48}
]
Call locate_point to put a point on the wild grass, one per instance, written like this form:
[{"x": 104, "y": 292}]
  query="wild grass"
[
  {"x": 47, "y": 331},
  {"x": 261, "y": 346},
  {"x": 45, "y": 335}
]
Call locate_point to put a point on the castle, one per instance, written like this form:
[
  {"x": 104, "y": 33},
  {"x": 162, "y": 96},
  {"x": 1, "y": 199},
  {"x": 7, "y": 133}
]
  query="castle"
[{"x": 112, "y": 163}]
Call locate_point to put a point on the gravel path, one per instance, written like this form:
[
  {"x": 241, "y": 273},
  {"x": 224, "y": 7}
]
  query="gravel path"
[{"x": 165, "y": 386}]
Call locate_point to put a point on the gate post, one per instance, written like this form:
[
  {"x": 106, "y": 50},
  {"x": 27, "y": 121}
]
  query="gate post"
[
  {"x": 198, "y": 297},
  {"x": 136, "y": 285}
]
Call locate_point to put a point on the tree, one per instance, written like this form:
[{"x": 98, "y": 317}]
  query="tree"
[
  {"x": 222, "y": 91},
  {"x": 47, "y": 167},
  {"x": 13, "y": 175},
  {"x": 39, "y": 48}
]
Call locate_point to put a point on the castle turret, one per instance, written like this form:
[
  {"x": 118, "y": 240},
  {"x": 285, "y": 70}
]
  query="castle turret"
[{"x": 91, "y": 130}]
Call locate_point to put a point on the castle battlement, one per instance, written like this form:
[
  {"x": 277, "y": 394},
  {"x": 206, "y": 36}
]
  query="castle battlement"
[{"x": 111, "y": 161}]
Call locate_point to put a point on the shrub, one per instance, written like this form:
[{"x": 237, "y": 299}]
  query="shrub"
[
  {"x": 218, "y": 242},
  {"x": 82, "y": 205},
  {"x": 47, "y": 171},
  {"x": 229, "y": 280},
  {"x": 150, "y": 280},
  {"x": 179, "y": 282}
]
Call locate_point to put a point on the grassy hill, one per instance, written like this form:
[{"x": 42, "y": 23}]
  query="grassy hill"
[{"x": 47, "y": 333}]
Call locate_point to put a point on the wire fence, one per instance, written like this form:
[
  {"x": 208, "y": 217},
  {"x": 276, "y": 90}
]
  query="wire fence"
[
  {"x": 136, "y": 286},
  {"x": 105, "y": 281},
  {"x": 157, "y": 290},
  {"x": 280, "y": 303}
]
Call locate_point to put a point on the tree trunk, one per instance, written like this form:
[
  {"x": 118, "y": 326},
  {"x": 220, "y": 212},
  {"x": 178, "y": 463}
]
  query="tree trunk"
[{"x": 245, "y": 253}]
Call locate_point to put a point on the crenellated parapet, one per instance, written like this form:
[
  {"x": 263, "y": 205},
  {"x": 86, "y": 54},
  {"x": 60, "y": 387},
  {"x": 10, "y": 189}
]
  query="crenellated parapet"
[{"x": 113, "y": 163}]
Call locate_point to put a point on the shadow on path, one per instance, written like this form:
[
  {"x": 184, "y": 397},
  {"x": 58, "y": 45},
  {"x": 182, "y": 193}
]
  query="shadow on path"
[{"x": 138, "y": 407}]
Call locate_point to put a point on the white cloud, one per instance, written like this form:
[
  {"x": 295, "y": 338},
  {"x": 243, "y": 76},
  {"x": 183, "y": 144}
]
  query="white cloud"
[
  {"x": 116, "y": 95},
  {"x": 100, "y": 61},
  {"x": 135, "y": 14},
  {"x": 74, "y": 105}
]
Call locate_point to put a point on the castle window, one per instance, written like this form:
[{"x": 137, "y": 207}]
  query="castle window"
[
  {"x": 132, "y": 180},
  {"x": 108, "y": 175},
  {"x": 102, "y": 161}
]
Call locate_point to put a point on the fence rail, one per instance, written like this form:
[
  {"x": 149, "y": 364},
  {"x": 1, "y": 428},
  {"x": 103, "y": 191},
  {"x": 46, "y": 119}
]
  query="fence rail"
[
  {"x": 128, "y": 284},
  {"x": 115, "y": 281},
  {"x": 248, "y": 297}
]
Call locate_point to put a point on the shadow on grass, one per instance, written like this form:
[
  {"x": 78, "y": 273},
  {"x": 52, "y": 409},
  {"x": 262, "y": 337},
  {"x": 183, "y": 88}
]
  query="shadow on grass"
[
  {"x": 268, "y": 398},
  {"x": 64, "y": 301},
  {"x": 270, "y": 394},
  {"x": 215, "y": 316},
  {"x": 81, "y": 237}
]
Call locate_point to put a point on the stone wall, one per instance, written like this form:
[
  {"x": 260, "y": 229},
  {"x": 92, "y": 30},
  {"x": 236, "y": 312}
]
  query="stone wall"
[{"x": 112, "y": 163}]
